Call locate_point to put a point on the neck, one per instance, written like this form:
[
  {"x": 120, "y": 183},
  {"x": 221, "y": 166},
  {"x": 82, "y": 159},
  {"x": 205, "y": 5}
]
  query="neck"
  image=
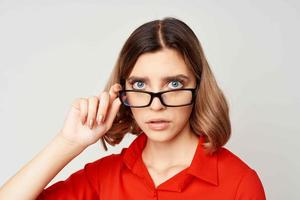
[{"x": 179, "y": 150}]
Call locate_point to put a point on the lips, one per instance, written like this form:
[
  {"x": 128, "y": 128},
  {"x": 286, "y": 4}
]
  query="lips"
[
  {"x": 158, "y": 124},
  {"x": 158, "y": 120}
]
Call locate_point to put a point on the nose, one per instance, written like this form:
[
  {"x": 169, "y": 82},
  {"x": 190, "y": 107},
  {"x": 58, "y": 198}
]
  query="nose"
[{"x": 156, "y": 104}]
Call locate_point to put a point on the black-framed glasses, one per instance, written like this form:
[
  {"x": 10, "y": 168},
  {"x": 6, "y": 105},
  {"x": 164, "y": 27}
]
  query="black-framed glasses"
[{"x": 169, "y": 98}]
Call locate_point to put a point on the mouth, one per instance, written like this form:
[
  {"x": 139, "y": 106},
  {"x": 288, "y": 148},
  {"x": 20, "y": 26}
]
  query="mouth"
[
  {"x": 158, "y": 124},
  {"x": 158, "y": 121}
]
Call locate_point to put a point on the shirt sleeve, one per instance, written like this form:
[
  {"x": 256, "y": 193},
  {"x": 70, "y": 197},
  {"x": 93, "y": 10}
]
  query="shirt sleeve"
[
  {"x": 82, "y": 184},
  {"x": 250, "y": 187}
]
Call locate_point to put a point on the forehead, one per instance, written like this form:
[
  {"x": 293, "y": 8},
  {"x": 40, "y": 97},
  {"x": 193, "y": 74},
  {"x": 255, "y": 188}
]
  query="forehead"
[{"x": 159, "y": 64}]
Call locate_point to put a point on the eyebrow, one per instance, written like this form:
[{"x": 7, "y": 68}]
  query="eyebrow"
[{"x": 167, "y": 78}]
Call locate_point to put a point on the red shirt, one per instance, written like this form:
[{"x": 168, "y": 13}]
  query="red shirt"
[{"x": 125, "y": 176}]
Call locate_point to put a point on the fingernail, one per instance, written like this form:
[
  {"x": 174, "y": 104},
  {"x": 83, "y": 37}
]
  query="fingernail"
[
  {"x": 91, "y": 123},
  {"x": 100, "y": 119}
]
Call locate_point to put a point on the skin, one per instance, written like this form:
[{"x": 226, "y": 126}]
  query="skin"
[{"x": 168, "y": 151}]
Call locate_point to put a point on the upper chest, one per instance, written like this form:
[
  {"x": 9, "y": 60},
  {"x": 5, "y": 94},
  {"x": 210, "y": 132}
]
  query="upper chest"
[{"x": 160, "y": 176}]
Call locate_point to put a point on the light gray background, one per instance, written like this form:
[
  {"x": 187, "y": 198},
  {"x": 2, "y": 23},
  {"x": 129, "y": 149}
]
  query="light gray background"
[{"x": 52, "y": 52}]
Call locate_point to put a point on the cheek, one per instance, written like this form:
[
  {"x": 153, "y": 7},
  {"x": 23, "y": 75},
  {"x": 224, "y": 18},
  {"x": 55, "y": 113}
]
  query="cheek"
[
  {"x": 182, "y": 115},
  {"x": 138, "y": 115}
]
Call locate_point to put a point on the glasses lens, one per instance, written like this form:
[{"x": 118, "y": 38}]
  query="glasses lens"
[
  {"x": 135, "y": 99},
  {"x": 177, "y": 98}
]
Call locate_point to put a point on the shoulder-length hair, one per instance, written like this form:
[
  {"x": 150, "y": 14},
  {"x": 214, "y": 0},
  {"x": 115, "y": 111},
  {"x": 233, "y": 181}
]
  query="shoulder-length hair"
[{"x": 210, "y": 114}]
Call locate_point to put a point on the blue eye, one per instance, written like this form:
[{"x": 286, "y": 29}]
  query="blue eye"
[
  {"x": 139, "y": 85},
  {"x": 174, "y": 83}
]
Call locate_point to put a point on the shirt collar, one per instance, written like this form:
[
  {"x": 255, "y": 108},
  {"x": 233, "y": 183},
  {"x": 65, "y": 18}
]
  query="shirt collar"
[{"x": 203, "y": 166}]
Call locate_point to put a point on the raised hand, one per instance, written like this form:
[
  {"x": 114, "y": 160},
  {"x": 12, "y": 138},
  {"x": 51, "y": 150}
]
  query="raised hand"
[{"x": 90, "y": 118}]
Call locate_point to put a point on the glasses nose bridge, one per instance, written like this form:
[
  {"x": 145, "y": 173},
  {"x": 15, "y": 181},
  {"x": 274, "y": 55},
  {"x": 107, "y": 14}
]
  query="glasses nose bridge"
[{"x": 158, "y": 95}]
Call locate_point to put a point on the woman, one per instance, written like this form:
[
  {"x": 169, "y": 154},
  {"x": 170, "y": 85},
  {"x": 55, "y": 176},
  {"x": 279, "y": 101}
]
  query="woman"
[{"x": 163, "y": 91}]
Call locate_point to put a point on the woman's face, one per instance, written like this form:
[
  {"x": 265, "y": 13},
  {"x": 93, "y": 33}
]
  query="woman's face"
[{"x": 151, "y": 69}]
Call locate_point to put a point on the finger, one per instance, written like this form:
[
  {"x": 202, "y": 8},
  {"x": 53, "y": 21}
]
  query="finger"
[
  {"x": 83, "y": 104},
  {"x": 102, "y": 108},
  {"x": 92, "y": 110},
  {"x": 76, "y": 104},
  {"x": 113, "y": 92},
  {"x": 113, "y": 112}
]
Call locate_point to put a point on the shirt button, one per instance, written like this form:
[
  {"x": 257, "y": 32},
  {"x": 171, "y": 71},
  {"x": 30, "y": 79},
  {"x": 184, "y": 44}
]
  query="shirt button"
[{"x": 155, "y": 193}]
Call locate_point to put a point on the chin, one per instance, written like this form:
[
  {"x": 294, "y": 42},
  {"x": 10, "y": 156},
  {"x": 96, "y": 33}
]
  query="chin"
[{"x": 160, "y": 136}]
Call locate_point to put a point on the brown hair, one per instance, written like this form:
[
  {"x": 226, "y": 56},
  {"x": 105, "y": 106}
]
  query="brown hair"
[{"x": 210, "y": 114}]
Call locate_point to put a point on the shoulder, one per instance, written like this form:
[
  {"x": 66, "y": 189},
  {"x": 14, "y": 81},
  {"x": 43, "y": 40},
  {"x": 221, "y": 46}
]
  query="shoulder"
[
  {"x": 235, "y": 171},
  {"x": 104, "y": 169},
  {"x": 86, "y": 182},
  {"x": 106, "y": 163},
  {"x": 229, "y": 160},
  {"x": 230, "y": 164}
]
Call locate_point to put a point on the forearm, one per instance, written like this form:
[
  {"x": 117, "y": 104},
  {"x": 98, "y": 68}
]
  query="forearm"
[{"x": 29, "y": 182}]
